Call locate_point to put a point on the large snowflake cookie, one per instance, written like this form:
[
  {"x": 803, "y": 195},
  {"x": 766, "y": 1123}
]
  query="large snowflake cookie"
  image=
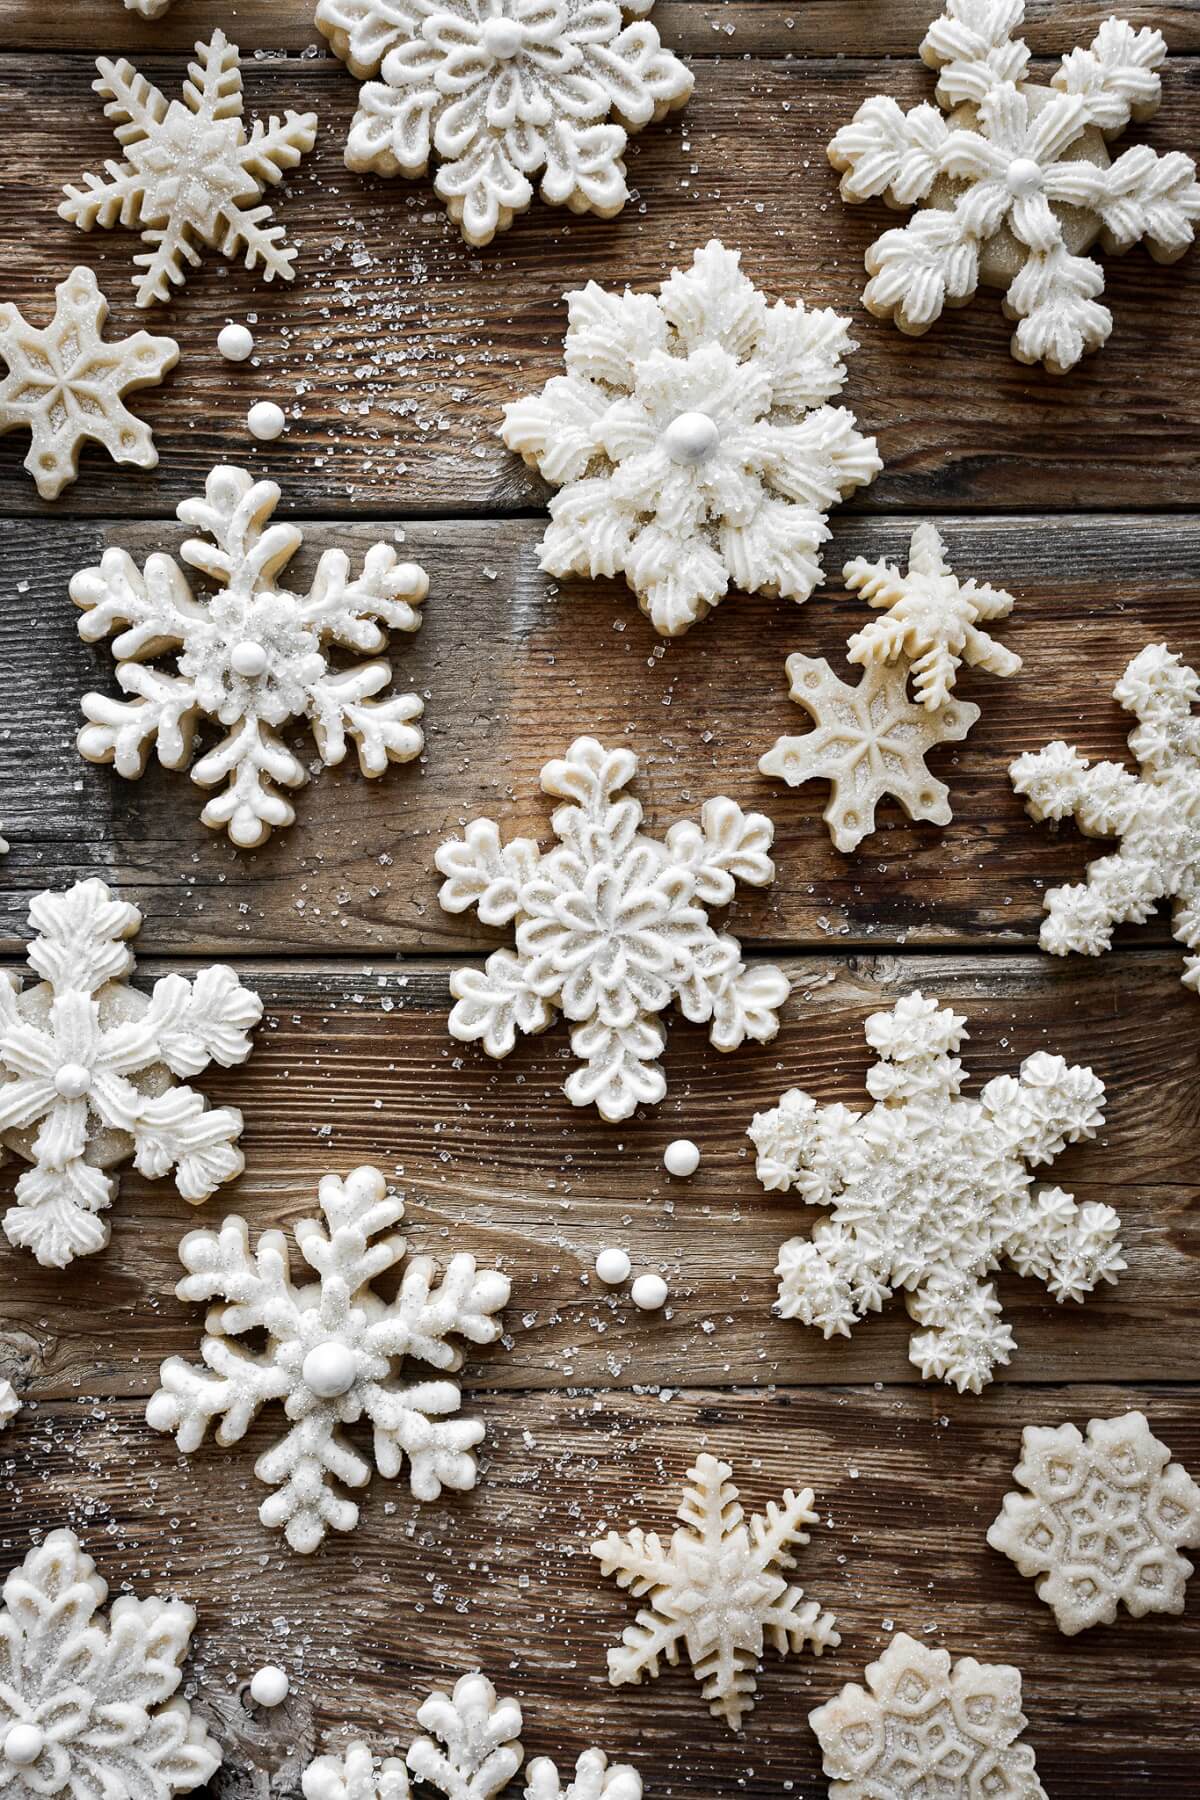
[
  {"x": 192, "y": 174},
  {"x": 924, "y": 1726},
  {"x": 67, "y": 386},
  {"x": 86, "y": 1066},
  {"x": 250, "y": 658},
  {"x": 500, "y": 91},
  {"x": 1155, "y": 814},
  {"x": 334, "y": 1350},
  {"x": 1102, "y": 1522},
  {"x": 1016, "y": 184},
  {"x": 611, "y": 927},
  {"x": 88, "y": 1704},
  {"x": 930, "y": 1193},
  {"x": 719, "y": 1590},
  {"x": 691, "y": 440}
]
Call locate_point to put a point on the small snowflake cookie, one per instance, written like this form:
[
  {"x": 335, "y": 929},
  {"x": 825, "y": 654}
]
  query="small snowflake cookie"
[
  {"x": 719, "y": 1590},
  {"x": 1102, "y": 1522},
  {"x": 334, "y": 1352},
  {"x": 502, "y": 91},
  {"x": 86, "y": 1706},
  {"x": 611, "y": 926},
  {"x": 930, "y": 1193},
  {"x": 10, "y": 1402},
  {"x": 691, "y": 440},
  {"x": 250, "y": 658},
  {"x": 192, "y": 175},
  {"x": 149, "y": 9},
  {"x": 86, "y": 1067},
  {"x": 924, "y": 1726},
  {"x": 1155, "y": 814},
  {"x": 1016, "y": 184}
]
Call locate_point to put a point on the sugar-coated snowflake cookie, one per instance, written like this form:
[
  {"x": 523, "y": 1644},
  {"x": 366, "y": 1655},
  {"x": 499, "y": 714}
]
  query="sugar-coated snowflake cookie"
[
  {"x": 930, "y": 1193},
  {"x": 1016, "y": 184},
  {"x": 10, "y": 1402},
  {"x": 86, "y": 1067},
  {"x": 691, "y": 441},
  {"x": 924, "y": 1726},
  {"x": 251, "y": 657},
  {"x": 1102, "y": 1522},
  {"x": 501, "y": 91},
  {"x": 88, "y": 1704}
]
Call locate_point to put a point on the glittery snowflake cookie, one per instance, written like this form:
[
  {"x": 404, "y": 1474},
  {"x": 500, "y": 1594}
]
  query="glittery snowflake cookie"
[
  {"x": 1155, "y": 814},
  {"x": 1016, "y": 184},
  {"x": 86, "y": 1067},
  {"x": 1102, "y": 1522},
  {"x": 251, "y": 657},
  {"x": 334, "y": 1353},
  {"x": 86, "y": 1706},
  {"x": 691, "y": 442},
  {"x": 930, "y": 1193},
  {"x": 66, "y": 386},
  {"x": 611, "y": 926},
  {"x": 718, "y": 1591},
  {"x": 502, "y": 91},
  {"x": 10, "y": 1403},
  {"x": 192, "y": 175},
  {"x": 924, "y": 1726}
]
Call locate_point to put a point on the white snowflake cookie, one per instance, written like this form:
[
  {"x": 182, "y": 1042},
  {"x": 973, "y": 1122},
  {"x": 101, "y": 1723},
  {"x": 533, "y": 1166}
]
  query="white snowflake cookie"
[
  {"x": 692, "y": 442},
  {"x": 148, "y": 9},
  {"x": 718, "y": 1591},
  {"x": 930, "y": 1193},
  {"x": 1016, "y": 184},
  {"x": 1155, "y": 814},
  {"x": 334, "y": 1352},
  {"x": 251, "y": 657},
  {"x": 500, "y": 91},
  {"x": 611, "y": 927},
  {"x": 1102, "y": 1522},
  {"x": 10, "y": 1402},
  {"x": 86, "y": 1067},
  {"x": 88, "y": 1704}
]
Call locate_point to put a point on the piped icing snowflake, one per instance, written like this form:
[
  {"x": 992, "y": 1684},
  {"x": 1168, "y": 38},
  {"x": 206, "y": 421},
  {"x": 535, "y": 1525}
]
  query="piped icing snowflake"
[
  {"x": 930, "y": 1193},
  {"x": 86, "y": 1066},
  {"x": 719, "y": 1591},
  {"x": 251, "y": 657},
  {"x": 611, "y": 927},
  {"x": 1102, "y": 1522},
  {"x": 1155, "y": 814},
  {"x": 500, "y": 91},
  {"x": 691, "y": 441},
  {"x": 1016, "y": 184},
  {"x": 333, "y": 1354}
]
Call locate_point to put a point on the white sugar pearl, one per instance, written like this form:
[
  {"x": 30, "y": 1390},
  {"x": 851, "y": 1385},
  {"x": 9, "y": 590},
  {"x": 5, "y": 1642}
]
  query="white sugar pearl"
[
  {"x": 649, "y": 1292},
  {"x": 72, "y": 1080},
  {"x": 23, "y": 1744},
  {"x": 329, "y": 1370},
  {"x": 268, "y": 1686},
  {"x": 613, "y": 1266},
  {"x": 691, "y": 437},
  {"x": 501, "y": 37},
  {"x": 248, "y": 658},
  {"x": 265, "y": 420},
  {"x": 681, "y": 1157},
  {"x": 235, "y": 342}
]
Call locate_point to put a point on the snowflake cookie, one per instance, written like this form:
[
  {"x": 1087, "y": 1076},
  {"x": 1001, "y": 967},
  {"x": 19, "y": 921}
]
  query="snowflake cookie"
[
  {"x": 611, "y": 927},
  {"x": 930, "y": 1193},
  {"x": 1102, "y": 1522},
  {"x": 86, "y": 1705},
  {"x": 10, "y": 1402},
  {"x": 192, "y": 174},
  {"x": 334, "y": 1352},
  {"x": 922, "y": 1726},
  {"x": 149, "y": 9},
  {"x": 501, "y": 91},
  {"x": 1155, "y": 814},
  {"x": 67, "y": 387},
  {"x": 250, "y": 658},
  {"x": 691, "y": 441},
  {"x": 86, "y": 1066},
  {"x": 718, "y": 1591}
]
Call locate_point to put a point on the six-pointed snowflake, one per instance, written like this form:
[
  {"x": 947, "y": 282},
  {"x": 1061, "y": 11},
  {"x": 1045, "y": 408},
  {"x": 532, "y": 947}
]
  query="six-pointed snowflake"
[
  {"x": 85, "y": 1073},
  {"x": 192, "y": 175},
  {"x": 611, "y": 927},
  {"x": 691, "y": 440},
  {"x": 1016, "y": 184},
  {"x": 500, "y": 91},
  {"x": 930, "y": 1193},
  {"x": 251, "y": 657},
  {"x": 334, "y": 1353}
]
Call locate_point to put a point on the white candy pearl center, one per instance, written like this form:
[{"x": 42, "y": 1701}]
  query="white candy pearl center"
[
  {"x": 1024, "y": 177},
  {"x": 248, "y": 658},
  {"x": 329, "y": 1370},
  {"x": 72, "y": 1081},
  {"x": 691, "y": 437},
  {"x": 501, "y": 38},
  {"x": 23, "y": 1744}
]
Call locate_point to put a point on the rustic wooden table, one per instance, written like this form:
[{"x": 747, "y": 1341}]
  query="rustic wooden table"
[{"x": 396, "y": 347}]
